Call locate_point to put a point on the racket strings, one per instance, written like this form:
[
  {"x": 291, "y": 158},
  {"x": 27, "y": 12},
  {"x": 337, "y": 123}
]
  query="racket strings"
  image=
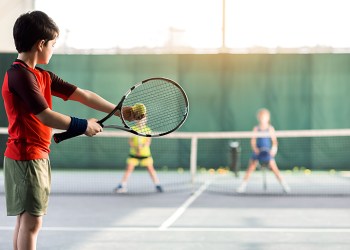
[{"x": 166, "y": 106}]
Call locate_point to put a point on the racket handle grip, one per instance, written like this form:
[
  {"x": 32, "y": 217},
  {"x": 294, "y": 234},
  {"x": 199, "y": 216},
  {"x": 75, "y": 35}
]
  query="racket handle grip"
[{"x": 58, "y": 137}]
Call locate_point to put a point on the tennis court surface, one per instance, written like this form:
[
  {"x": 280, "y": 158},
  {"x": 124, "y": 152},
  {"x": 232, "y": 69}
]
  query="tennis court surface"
[
  {"x": 200, "y": 208},
  {"x": 190, "y": 220}
]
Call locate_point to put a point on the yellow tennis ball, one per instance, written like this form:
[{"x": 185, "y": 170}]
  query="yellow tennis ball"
[
  {"x": 307, "y": 171},
  {"x": 139, "y": 109},
  {"x": 180, "y": 170}
]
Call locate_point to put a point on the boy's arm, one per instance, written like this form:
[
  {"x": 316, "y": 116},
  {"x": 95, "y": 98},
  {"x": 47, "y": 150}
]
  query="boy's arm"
[
  {"x": 57, "y": 120},
  {"x": 96, "y": 102},
  {"x": 92, "y": 100}
]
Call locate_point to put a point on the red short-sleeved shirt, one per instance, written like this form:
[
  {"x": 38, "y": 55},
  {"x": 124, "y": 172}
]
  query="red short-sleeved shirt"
[{"x": 27, "y": 92}]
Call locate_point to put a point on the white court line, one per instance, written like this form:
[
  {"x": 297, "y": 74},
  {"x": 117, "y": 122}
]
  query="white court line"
[
  {"x": 166, "y": 224},
  {"x": 192, "y": 229}
]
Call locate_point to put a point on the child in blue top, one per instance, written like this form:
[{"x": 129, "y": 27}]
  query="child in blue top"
[{"x": 264, "y": 150}]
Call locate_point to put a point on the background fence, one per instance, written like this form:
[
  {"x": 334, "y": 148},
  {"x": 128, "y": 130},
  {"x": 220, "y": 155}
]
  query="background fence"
[{"x": 302, "y": 91}]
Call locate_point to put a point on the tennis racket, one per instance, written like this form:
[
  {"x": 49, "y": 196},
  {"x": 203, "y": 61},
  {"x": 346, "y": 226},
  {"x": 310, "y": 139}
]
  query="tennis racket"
[{"x": 165, "y": 104}]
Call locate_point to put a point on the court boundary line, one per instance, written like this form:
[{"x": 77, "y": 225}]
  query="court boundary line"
[
  {"x": 192, "y": 229},
  {"x": 177, "y": 214}
]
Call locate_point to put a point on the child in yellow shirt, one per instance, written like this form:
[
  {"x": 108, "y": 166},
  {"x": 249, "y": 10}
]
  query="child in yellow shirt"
[{"x": 139, "y": 154}]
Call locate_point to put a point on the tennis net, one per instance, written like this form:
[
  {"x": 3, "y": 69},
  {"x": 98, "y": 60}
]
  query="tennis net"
[{"x": 312, "y": 162}]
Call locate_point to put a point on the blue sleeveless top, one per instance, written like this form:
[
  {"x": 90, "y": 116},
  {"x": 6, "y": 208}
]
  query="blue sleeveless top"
[{"x": 264, "y": 144}]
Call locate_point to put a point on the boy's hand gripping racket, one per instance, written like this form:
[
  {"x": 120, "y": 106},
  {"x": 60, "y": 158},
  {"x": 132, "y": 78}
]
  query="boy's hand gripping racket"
[{"x": 159, "y": 106}]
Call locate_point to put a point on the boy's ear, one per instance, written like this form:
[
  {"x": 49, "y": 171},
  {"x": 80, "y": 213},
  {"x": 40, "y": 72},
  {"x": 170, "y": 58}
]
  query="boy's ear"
[{"x": 40, "y": 45}]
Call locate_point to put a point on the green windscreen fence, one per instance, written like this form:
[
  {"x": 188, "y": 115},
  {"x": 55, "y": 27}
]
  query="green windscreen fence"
[{"x": 302, "y": 91}]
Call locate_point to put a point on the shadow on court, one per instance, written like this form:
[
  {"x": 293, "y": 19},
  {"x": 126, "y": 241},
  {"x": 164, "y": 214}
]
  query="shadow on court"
[{"x": 183, "y": 221}]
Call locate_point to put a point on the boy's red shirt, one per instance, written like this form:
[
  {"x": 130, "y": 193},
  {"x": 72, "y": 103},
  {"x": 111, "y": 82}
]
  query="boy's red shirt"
[{"x": 27, "y": 92}]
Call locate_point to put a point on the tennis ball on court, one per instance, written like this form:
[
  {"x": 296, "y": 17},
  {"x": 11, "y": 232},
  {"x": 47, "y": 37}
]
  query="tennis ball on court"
[
  {"x": 139, "y": 110},
  {"x": 332, "y": 171},
  {"x": 307, "y": 171},
  {"x": 211, "y": 171},
  {"x": 296, "y": 169},
  {"x": 221, "y": 171},
  {"x": 180, "y": 170}
]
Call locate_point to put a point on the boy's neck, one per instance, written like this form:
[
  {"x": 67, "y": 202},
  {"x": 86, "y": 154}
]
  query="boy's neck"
[{"x": 28, "y": 58}]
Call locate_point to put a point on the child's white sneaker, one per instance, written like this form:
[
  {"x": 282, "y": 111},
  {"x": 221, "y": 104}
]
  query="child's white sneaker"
[{"x": 121, "y": 189}]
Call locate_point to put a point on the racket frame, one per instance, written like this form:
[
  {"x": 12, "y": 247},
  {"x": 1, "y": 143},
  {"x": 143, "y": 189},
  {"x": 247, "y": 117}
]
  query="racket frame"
[{"x": 120, "y": 106}]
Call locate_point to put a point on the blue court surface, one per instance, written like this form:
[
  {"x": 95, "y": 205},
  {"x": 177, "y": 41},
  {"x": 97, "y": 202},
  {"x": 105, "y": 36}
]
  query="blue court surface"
[{"x": 185, "y": 220}]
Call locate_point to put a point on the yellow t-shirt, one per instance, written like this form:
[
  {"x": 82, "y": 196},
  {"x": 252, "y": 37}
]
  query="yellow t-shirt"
[{"x": 139, "y": 145}]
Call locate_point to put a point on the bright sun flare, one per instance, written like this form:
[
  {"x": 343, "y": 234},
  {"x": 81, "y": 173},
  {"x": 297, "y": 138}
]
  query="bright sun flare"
[{"x": 198, "y": 24}]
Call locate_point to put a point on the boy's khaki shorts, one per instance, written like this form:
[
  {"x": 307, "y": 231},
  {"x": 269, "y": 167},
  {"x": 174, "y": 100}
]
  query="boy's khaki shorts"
[{"x": 27, "y": 186}]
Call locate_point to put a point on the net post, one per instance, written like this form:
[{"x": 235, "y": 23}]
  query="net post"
[{"x": 193, "y": 163}]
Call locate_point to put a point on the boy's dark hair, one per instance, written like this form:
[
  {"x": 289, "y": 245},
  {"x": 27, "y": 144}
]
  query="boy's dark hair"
[{"x": 32, "y": 27}]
